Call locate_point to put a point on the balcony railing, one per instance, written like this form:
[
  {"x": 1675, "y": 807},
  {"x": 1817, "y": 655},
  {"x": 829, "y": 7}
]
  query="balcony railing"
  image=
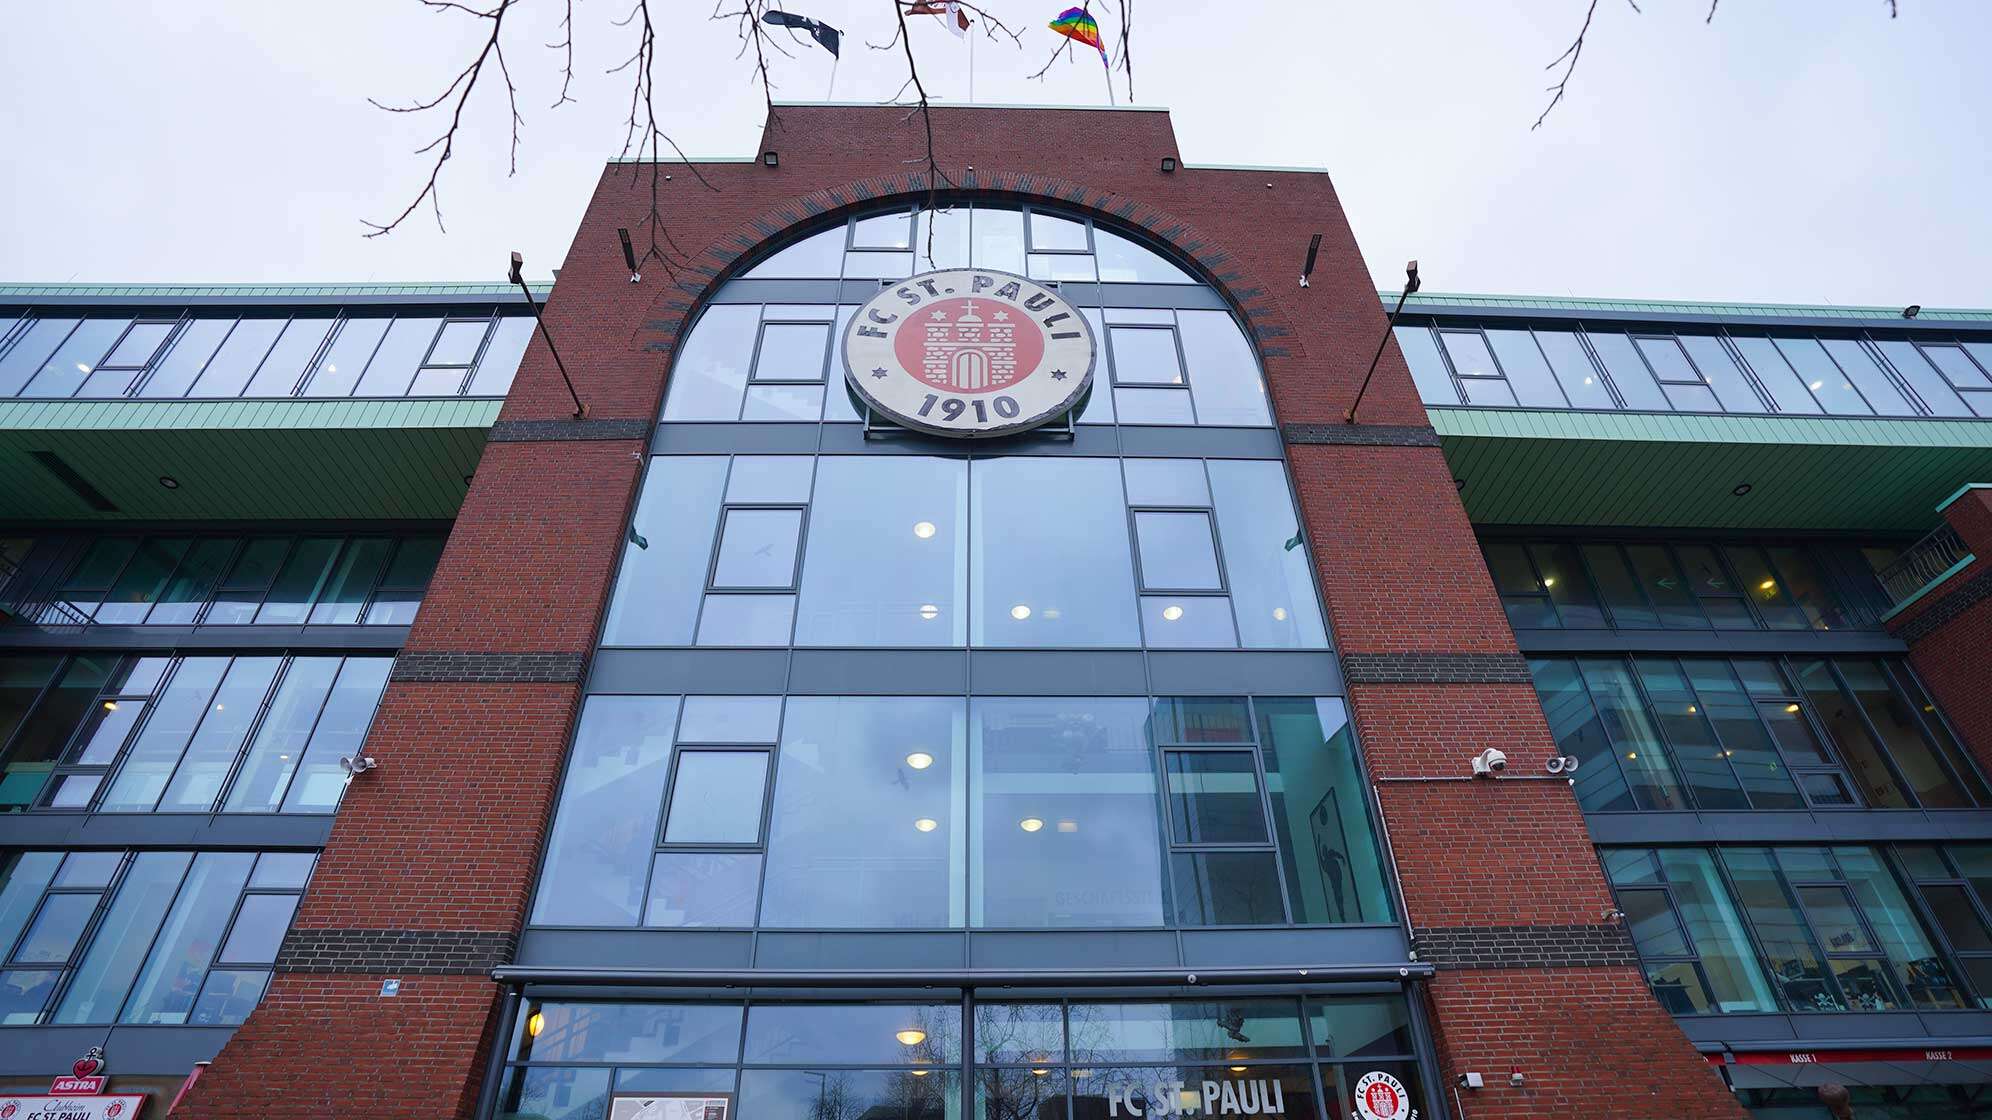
[{"x": 1923, "y": 563}]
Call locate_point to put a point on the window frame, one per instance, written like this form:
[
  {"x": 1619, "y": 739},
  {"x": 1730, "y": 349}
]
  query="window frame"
[
  {"x": 726, "y": 511},
  {"x": 760, "y": 339}
]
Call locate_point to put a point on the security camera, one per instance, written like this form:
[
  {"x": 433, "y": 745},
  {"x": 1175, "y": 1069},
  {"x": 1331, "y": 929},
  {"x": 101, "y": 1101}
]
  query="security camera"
[{"x": 1489, "y": 763}]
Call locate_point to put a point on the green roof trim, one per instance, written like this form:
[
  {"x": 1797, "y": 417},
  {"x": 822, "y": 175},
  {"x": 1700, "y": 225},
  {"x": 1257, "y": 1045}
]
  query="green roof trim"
[
  {"x": 1425, "y": 301},
  {"x": 1961, "y": 492},
  {"x": 452, "y": 290}
]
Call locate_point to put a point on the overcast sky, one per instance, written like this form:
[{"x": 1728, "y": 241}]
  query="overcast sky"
[{"x": 1805, "y": 151}]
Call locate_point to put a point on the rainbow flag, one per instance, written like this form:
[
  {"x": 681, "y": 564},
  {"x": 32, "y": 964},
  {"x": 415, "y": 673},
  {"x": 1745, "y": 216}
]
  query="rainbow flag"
[{"x": 1078, "y": 25}]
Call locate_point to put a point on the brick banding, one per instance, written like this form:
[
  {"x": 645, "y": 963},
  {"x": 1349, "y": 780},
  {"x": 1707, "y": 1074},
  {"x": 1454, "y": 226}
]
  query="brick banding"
[
  {"x": 1529, "y": 946},
  {"x": 419, "y": 952},
  {"x": 532, "y": 431},
  {"x": 1967, "y": 595},
  {"x": 489, "y": 668},
  {"x": 1362, "y": 435},
  {"x": 1436, "y": 668}
]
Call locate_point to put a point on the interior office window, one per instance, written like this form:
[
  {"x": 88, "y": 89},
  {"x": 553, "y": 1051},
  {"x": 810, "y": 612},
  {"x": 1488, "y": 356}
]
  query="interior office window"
[
  {"x": 1628, "y": 371},
  {"x": 351, "y": 582},
  {"x": 1528, "y": 372},
  {"x": 1065, "y": 820},
  {"x": 709, "y": 871},
  {"x": 1124, "y": 261},
  {"x": 1665, "y": 586},
  {"x": 1718, "y": 367},
  {"x": 1940, "y": 776},
  {"x": 1334, "y": 866},
  {"x": 1917, "y": 966},
  {"x": 447, "y": 365},
  {"x": 284, "y": 367},
  {"x": 128, "y": 359},
  {"x": 300, "y": 581},
  {"x": 1828, "y": 383},
  {"x": 1689, "y": 934},
  {"x": 1224, "y": 869},
  {"x": 187, "y": 591},
  {"x": 1621, "y": 591},
  {"x": 502, "y": 356},
  {"x": 400, "y": 592},
  {"x": 709, "y": 377},
  {"x": 1634, "y": 735},
  {"x": 229, "y": 371},
  {"x": 1051, "y": 564},
  {"x": 1955, "y": 885},
  {"x": 606, "y": 826},
  {"x": 1573, "y": 719},
  {"x": 395, "y": 361},
  {"x": 1787, "y": 390},
  {"x": 1269, "y": 569},
  {"x": 1704, "y": 764},
  {"x": 1686, "y": 389},
  {"x": 209, "y": 756},
  {"x": 1576, "y": 373},
  {"x": 186, "y": 356},
  {"x": 1561, "y": 573},
  {"x": 1223, "y": 369},
  {"x": 33, "y": 347},
  {"x": 666, "y": 552},
  {"x": 1858, "y": 366},
  {"x": 1748, "y": 745},
  {"x": 861, "y": 836},
  {"x": 1523, "y": 596},
  {"x": 319, "y": 781},
  {"x": 49, "y": 713},
  {"x": 248, "y": 580},
  {"x": 70, "y": 366},
  {"x": 886, "y": 560},
  {"x": 104, "y": 975},
  {"x": 1720, "y": 596},
  {"x": 1964, "y": 374},
  {"x": 1766, "y": 590},
  {"x": 138, "y": 586},
  {"x": 1930, "y": 386},
  {"x": 1428, "y": 370},
  {"x": 786, "y": 380},
  {"x": 353, "y": 346},
  {"x": 818, "y": 256},
  {"x": 1479, "y": 378}
]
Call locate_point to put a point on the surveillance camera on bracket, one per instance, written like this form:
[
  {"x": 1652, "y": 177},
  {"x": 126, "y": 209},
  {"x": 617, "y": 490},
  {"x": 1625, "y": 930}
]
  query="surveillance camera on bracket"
[{"x": 1489, "y": 763}]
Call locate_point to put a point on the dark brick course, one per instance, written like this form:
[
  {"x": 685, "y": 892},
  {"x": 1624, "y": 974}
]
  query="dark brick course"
[
  {"x": 416, "y": 952},
  {"x": 525, "y": 431},
  {"x": 489, "y": 668},
  {"x": 1435, "y": 668},
  {"x": 1362, "y": 435},
  {"x": 1543, "y": 946}
]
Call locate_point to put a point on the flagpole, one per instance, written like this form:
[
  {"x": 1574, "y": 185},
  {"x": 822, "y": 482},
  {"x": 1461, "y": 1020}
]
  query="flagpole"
[
  {"x": 1110, "y": 77},
  {"x": 971, "y": 69},
  {"x": 828, "y": 93}
]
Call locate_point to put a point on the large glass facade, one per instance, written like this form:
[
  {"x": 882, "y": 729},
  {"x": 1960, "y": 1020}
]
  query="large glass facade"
[
  {"x": 993, "y": 1060},
  {"x": 880, "y": 812},
  {"x": 206, "y": 352}
]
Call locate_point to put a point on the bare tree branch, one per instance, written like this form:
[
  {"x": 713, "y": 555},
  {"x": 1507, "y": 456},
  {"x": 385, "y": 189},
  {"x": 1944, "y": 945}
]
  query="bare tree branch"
[
  {"x": 1892, "y": 13},
  {"x": 1572, "y": 52},
  {"x": 567, "y": 44},
  {"x": 1711, "y": 10},
  {"x": 461, "y": 87},
  {"x": 754, "y": 33}
]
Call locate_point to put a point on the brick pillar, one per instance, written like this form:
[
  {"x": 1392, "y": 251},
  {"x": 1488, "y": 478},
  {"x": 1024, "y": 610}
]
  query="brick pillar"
[{"x": 1949, "y": 630}]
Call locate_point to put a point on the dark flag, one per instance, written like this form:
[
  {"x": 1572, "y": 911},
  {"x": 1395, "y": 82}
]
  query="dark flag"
[{"x": 827, "y": 36}]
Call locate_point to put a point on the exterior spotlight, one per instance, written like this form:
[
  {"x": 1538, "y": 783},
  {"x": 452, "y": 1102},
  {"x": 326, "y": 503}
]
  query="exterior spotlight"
[
  {"x": 1168, "y": 165},
  {"x": 1411, "y": 284},
  {"x": 1911, "y": 311},
  {"x": 629, "y": 255},
  {"x": 357, "y": 764},
  {"x": 1307, "y": 268},
  {"x": 771, "y": 158},
  {"x": 169, "y": 482},
  {"x": 1740, "y": 489}
]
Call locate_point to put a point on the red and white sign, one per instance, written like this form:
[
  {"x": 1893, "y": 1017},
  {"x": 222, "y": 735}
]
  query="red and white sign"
[
  {"x": 1380, "y": 1096},
  {"x": 1826, "y": 1057},
  {"x": 60, "y": 1107},
  {"x": 74, "y": 1086},
  {"x": 969, "y": 352}
]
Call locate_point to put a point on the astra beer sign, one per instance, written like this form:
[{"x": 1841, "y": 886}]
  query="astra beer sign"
[{"x": 969, "y": 352}]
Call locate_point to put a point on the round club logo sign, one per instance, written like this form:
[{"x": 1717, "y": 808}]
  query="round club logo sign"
[
  {"x": 969, "y": 352},
  {"x": 1380, "y": 1096}
]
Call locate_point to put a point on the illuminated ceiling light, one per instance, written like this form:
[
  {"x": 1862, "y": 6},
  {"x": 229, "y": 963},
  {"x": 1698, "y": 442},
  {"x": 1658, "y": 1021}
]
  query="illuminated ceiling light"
[
  {"x": 1279, "y": 614},
  {"x": 1030, "y": 824},
  {"x": 1238, "y": 1069},
  {"x": 1039, "y": 1071},
  {"x": 929, "y": 611},
  {"x": 1549, "y": 581},
  {"x": 919, "y": 760},
  {"x": 81, "y": 368},
  {"x": 110, "y": 705},
  {"x": 1631, "y": 754},
  {"x": 923, "y": 529},
  {"x": 1768, "y": 585},
  {"x": 1587, "y": 381},
  {"x": 1020, "y": 612},
  {"x": 911, "y": 1036},
  {"x": 1692, "y": 709},
  {"x": 1172, "y": 612},
  {"x": 926, "y": 824},
  {"x": 1068, "y": 826},
  {"x": 1817, "y": 385},
  {"x": 535, "y": 1023},
  {"x": 1792, "y": 708},
  {"x": 217, "y": 707},
  {"x": 922, "y": 1072}
]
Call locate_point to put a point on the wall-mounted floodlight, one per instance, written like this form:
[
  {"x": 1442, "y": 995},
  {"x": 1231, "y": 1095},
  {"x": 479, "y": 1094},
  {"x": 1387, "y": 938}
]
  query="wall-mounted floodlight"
[
  {"x": 771, "y": 158},
  {"x": 1911, "y": 311},
  {"x": 629, "y": 254},
  {"x": 1168, "y": 165}
]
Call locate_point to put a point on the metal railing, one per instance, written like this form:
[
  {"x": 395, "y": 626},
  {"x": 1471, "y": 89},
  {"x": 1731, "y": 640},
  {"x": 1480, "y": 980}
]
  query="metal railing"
[
  {"x": 22, "y": 602},
  {"x": 1923, "y": 562}
]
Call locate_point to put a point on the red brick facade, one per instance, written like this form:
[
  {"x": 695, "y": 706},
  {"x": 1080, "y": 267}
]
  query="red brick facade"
[
  {"x": 445, "y": 834},
  {"x": 1950, "y": 628}
]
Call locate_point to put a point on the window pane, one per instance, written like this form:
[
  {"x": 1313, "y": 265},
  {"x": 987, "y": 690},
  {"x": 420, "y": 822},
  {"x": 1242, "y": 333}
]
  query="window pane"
[
  {"x": 1703, "y": 762},
  {"x": 52, "y": 936},
  {"x": 1960, "y": 761},
  {"x": 757, "y": 548},
  {"x": 553, "y": 1093},
  {"x": 1271, "y": 579},
  {"x": 1716, "y": 930},
  {"x": 24, "y": 992},
  {"x": 1166, "y": 482},
  {"x": 1051, "y": 564},
  {"x": 1628, "y": 371},
  {"x": 853, "y": 1034},
  {"x": 1182, "y": 1030},
  {"x": 1048, "y": 231},
  {"x": 730, "y": 719},
  {"x": 883, "y": 231},
  {"x": 1528, "y": 374},
  {"x": 1188, "y": 622},
  {"x": 156, "y": 751},
  {"x": 437, "y": 381},
  {"x": 1668, "y": 362},
  {"x": 1468, "y": 351},
  {"x": 818, "y": 256},
  {"x": 166, "y": 988},
  {"x": 172, "y": 374},
  {"x": 277, "y": 870},
  {"x": 33, "y": 348},
  {"x": 500, "y": 362},
  {"x": 1522, "y": 594},
  {"x": 298, "y": 584},
  {"x": 342, "y": 728},
  {"x": 1145, "y": 356},
  {"x": 665, "y": 552},
  {"x": 119, "y": 946},
  {"x": 1202, "y": 719},
  {"x": 1714, "y": 589},
  {"x": 1214, "y": 798},
  {"x": 1154, "y": 406},
  {"x": 1747, "y": 745},
  {"x": 1428, "y": 370},
  {"x": 1226, "y": 889},
  {"x": 229, "y": 996},
  {"x": 1854, "y": 361},
  {"x": 1665, "y": 587},
  {"x": 1620, "y": 591},
  {"x": 1334, "y": 866},
  {"x": 746, "y": 620},
  {"x": 183, "y": 596},
  {"x": 885, "y": 563},
  {"x": 716, "y": 798},
  {"x": 1177, "y": 551},
  {"x": 792, "y": 351},
  {"x": 400, "y": 593},
  {"x": 940, "y": 238},
  {"x": 598, "y": 851},
  {"x": 1930, "y": 385},
  {"x": 690, "y": 889},
  {"x": 860, "y": 837},
  {"x": 345, "y": 594},
  {"x": 1776, "y": 376},
  {"x": 259, "y": 928},
  {"x": 109, "y": 725},
  {"x": 72, "y": 363},
  {"x": 784, "y": 1094},
  {"x": 457, "y": 345},
  {"x": 783, "y": 403},
  {"x": 211, "y": 753},
  {"x": 999, "y": 239},
  {"x": 1561, "y": 573},
  {"x": 139, "y": 344},
  {"x": 23, "y": 877},
  {"x": 878, "y": 266},
  {"x": 1488, "y": 391},
  {"x": 1902, "y": 738},
  {"x": 1633, "y": 735},
  {"x": 138, "y": 587},
  {"x": 1224, "y": 371},
  {"x": 41, "y": 738},
  {"x": 1712, "y": 359},
  {"x": 1125, "y": 261},
  {"x": 400, "y": 354},
  {"x": 289, "y": 358},
  {"x": 1574, "y": 722},
  {"x": 1066, "y": 832},
  {"x": 1794, "y": 963},
  {"x": 241, "y": 592},
  {"x": 1834, "y": 391},
  {"x": 1849, "y": 733},
  {"x": 1959, "y": 918},
  {"x": 1574, "y": 369},
  {"x": 281, "y": 740},
  {"x": 340, "y": 369},
  {"x": 1691, "y": 398},
  {"x": 1650, "y": 919},
  {"x": 1765, "y": 589},
  {"x": 1903, "y": 939}
]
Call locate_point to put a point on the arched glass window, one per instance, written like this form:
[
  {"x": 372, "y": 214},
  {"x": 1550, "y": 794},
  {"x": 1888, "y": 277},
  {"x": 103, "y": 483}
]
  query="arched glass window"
[{"x": 765, "y": 347}]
